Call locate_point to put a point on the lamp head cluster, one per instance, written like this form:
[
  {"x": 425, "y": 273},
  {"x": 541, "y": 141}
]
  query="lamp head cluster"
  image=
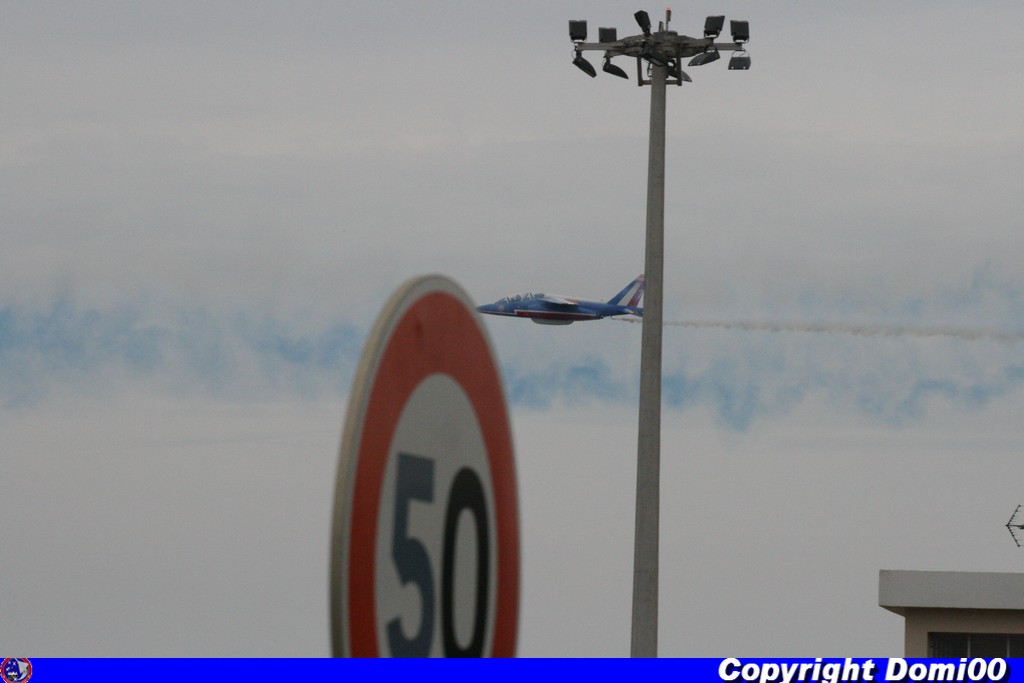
[{"x": 661, "y": 48}]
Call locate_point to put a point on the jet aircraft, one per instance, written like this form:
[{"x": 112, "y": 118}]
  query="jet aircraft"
[{"x": 554, "y": 309}]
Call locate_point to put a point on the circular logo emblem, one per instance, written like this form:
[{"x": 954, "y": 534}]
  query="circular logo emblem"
[{"x": 15, "y": 670}]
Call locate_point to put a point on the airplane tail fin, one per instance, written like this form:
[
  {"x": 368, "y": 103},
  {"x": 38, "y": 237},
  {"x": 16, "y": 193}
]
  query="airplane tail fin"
[{"x": 630, "y": 296}]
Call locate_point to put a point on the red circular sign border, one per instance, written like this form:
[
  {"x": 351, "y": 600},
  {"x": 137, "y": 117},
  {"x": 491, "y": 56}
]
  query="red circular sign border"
[{"x": 436, "y": 334}]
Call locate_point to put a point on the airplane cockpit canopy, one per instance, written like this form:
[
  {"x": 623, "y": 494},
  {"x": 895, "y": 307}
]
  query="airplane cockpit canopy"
[{"x": 520, "y": 297}]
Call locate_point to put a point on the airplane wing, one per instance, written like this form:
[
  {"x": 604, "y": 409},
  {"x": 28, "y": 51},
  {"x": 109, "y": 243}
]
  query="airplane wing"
[{"x": 557, "y": 300}]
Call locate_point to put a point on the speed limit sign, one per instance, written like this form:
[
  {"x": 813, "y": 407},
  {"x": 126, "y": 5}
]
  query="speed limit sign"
[{"x": 425, "y": 538}]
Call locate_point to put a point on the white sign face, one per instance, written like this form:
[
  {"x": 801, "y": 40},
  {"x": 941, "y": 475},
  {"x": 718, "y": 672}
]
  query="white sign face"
[
  {"x": 435, "y": 529},
  {"x": 425, "y": 546}
]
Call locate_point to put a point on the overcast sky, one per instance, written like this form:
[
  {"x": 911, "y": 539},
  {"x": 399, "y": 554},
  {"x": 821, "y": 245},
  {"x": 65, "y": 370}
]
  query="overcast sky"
[{"x": 204, "y": 205}]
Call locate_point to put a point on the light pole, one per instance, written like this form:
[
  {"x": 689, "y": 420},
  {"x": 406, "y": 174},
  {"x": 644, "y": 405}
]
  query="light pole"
[{"x": 663, "y": 52}]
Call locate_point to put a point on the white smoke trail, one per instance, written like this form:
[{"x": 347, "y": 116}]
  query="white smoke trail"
[{"x": 858, "y": 330}]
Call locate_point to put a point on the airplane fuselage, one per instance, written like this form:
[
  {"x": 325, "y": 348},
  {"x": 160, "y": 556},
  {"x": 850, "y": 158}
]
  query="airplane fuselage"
[
  {"x": 554, "y": 309},
  {"x": 548, "y": 314}
]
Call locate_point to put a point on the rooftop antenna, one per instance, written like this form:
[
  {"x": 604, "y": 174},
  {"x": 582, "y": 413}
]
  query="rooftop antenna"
[{"x": 1015, "y": 526}]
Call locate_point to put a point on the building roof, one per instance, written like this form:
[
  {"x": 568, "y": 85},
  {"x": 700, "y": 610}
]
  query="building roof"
[{"x": 899, "y": 590}]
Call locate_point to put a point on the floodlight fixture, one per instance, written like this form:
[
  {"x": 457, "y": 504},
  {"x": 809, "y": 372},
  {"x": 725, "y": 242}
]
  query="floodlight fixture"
[
  {"x": 655, "y": 57},
  {"x": 740, "y": 61},
  {"x": 607, "y": 35},
  {"x": 705, "y": 57},
  {"x": 577, "y": 30},
  {"x": 678, "y": 73},
  {"x": 610, "y": 68},
  {"x": 740, "y": 30},
  {"x": 713, "y": 26},
  {"x": 644, "y": 20},
  {"x": 584, "y": 66}
]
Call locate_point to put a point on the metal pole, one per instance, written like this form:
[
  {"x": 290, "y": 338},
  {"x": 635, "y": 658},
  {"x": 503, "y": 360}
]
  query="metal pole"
[{"x": 648, "y": 457}]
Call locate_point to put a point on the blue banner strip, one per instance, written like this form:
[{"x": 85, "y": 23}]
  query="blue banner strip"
[{"x": 730, "y": 670}]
